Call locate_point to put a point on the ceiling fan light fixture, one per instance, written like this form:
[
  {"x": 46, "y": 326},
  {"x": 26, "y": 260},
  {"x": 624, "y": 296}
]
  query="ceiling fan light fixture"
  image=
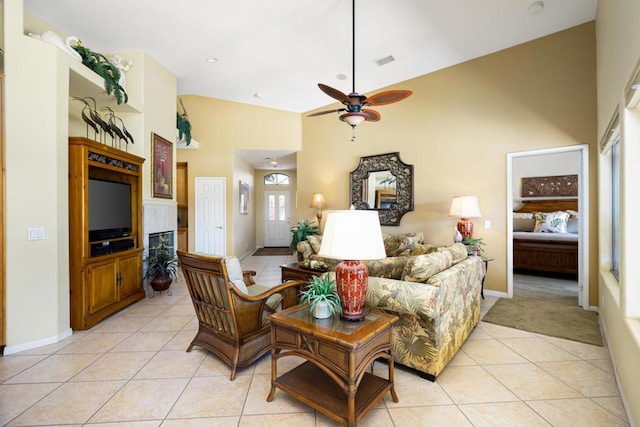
[{"x": 353, "y": 119}]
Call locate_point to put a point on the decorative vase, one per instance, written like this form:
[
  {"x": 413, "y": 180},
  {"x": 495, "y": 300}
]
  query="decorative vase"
[
  {"x": 351, "y": 282},
  {"x": 160, "y": 283},
  {"x": 321, "y": 310}
]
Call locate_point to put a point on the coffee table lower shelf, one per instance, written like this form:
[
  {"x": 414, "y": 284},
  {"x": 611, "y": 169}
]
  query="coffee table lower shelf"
[{"x": 312, "y": 386}]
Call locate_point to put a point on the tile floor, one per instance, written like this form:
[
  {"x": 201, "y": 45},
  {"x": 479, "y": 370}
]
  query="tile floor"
[{"x": 132, "y": 369}]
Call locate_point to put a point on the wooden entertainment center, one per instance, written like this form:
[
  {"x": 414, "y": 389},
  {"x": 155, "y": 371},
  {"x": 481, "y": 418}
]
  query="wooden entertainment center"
[{"x": 105, "y": 271}]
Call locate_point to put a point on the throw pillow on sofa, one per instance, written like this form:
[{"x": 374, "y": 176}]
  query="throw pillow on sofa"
[
  {"x": 420, "y": 268},
  {"x": 395, "y": 244},
  {"x": 458, "y": 252},
  {"x": 389, "y": 268},
  {"x": 315, "y": 241}
]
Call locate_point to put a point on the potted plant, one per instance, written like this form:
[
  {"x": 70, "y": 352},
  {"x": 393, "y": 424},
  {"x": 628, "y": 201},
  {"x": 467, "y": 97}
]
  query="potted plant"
[
  {"x": 474, "y": 245},
  {"x": 183, "y": 124},
  {"x": 322, "y": 297},
  {"x": 100, "y": 65},
  {"x": 301, "y": 232},
  {"x": 162, "y": 266}
]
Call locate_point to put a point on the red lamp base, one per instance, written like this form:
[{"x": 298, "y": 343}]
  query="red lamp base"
[
  {"x": 465, "y": 227},
  {"x": 351, "y": 282}
]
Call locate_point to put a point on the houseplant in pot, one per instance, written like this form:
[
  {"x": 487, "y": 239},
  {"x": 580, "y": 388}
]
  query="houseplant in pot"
[
  {"x": 162, "y": 266},
  {"x": 474, "y": 246},
  {"x": 301, "y": 232},
  {"x": 322, "y": 297}
]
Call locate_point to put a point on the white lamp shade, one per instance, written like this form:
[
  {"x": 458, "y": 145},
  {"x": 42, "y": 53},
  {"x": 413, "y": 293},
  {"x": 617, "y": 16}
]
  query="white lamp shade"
[
  {"x": 465, "y": 207},
  {"x": 352, "y": 235}
]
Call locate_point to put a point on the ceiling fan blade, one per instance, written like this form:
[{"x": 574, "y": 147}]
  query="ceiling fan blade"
[
  {"x": 388, "y": 97},
  {"x": 334, "y": 93},
  {"x": 320, "y": 113},
  {"x": 372, "y": 115}
]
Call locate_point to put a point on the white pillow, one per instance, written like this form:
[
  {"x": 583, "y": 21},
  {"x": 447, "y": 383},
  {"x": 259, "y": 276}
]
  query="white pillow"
[
  {"x": 522, "y": 215},
  {"x": 551, "y": 222},
  {"x": 234, "y": 270}
]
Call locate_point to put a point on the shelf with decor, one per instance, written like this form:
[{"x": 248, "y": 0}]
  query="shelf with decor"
[{"x": 84, "y": 82}]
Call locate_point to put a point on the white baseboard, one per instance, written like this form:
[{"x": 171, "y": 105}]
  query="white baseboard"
[
  {"x": 496, "y": 294},
  {"x": 11, "y": 349}
]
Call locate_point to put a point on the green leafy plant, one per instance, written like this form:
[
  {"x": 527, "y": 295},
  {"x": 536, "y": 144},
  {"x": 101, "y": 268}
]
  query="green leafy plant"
[
  {"x": 183, "y": 124},
  {"x": 319, "y": 289},
  {"x": 472, "y": 243},
  {"x": 301, "y": 232},
  {"x": 100, "y": 65},
  {"x": 161, "y": 261}
]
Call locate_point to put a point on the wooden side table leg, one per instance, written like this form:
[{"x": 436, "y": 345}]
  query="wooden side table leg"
[
  {"x": 394, "y": 396},
  {"x": 274, "y": 374},
  {"x": 351, "y": 406}
]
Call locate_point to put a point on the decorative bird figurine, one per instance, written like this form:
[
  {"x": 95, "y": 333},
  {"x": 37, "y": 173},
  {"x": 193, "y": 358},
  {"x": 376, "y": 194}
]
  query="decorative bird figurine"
[
  {"x": 114, "y": 129},
  {"x": 86, "y": 118},
  {"x": 125, "y": 131},
  {"x": 98, "y": 119}
]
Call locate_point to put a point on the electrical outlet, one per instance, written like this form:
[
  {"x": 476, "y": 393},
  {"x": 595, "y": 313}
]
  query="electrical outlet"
[
  {"x": 487, "y": 223},
  {"x": 35, "y": 233}
]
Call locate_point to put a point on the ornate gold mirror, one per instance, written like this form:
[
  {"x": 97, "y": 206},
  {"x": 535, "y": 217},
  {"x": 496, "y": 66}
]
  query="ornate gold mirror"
[{"x": 383, "y": 183}]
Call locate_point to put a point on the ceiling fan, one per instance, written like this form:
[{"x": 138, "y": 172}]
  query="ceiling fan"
[{"x": 355, "y": 113}]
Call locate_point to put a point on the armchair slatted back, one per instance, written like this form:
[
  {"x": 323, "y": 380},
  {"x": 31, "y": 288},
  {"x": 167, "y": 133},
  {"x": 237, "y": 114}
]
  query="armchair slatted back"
[{"x": 231, "y": 323}]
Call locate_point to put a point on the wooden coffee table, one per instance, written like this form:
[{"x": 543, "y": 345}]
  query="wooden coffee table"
[
  {"x": 295, "y": 272},
  {"x": 333, "y": 380}
]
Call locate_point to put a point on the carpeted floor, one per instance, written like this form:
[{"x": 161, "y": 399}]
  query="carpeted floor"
[
  {"x": 273, "y": 251},
  {"x": 546, "y": 306}
]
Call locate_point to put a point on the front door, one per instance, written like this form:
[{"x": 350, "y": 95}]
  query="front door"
[
  {"x": 210, "y": 216},
  {"x": 277, "y": 213}
]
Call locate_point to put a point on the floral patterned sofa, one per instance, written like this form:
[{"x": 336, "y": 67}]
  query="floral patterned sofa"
[{"x": 436, "y": 297}]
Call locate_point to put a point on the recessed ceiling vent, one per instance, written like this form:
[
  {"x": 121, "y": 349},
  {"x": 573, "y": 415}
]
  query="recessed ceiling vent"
[{"x": 385, "y": 60}]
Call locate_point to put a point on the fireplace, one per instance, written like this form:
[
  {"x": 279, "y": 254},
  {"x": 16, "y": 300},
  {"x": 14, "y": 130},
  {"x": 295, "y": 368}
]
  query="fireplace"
[{"x": 154, "y": 241}]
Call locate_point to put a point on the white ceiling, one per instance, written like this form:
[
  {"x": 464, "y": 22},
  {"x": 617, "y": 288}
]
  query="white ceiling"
[{"x": 281, "y": 49}]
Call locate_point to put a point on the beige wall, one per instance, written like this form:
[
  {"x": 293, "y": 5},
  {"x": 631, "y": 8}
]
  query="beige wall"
[
  {"x": 37, "y": 127},
  {"x": 618, "y": 47},
  {"x": 221, "y": 128},
  {"x": 244, "y": 230},
  {"x": 456, "y": 130}
]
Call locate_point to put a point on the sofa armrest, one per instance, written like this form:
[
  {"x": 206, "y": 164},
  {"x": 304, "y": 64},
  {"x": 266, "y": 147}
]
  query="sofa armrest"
[{"x": 418, "y": 299}]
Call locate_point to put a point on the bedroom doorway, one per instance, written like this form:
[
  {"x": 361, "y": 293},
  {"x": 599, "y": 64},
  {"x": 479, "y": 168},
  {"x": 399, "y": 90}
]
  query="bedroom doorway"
[{"x": 579, "y": 154}]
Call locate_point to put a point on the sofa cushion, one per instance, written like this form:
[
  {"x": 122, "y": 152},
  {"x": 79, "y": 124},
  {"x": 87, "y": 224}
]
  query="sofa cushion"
[
  {"x": 418, "y": 249},
  {"x": 419, "y": 268},
  {"x": 390, "y": 268},
  {"x": 395, "y": 244},
  {"x": 458, "y": 252},
  {"x": 315, "y": 241}
]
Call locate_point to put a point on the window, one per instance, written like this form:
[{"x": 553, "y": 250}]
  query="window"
[
  {"x": 610, "y": 148},
  {"x": 276, "y": 179},
  {"x": 615, "y": 208}
]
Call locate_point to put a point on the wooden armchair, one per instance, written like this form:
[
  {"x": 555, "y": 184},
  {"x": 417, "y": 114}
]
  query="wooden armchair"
[{"x": 232, "y": 316}]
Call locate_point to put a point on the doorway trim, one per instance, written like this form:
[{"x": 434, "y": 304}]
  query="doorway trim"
[{"x": 583, "y": 224}]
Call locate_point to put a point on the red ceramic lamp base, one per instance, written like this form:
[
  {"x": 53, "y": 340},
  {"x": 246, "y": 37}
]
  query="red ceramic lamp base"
[
  {"x": 465, "y": 227},
  {"x": 351, "y": 282}
]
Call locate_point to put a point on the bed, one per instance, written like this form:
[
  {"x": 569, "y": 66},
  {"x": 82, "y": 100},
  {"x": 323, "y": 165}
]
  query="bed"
[{"x": 546, "y": 252}]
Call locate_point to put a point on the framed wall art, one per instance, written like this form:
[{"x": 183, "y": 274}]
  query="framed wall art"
[
  {"x": 244, "y": 197},
  {"x": 161, "y": 167}
]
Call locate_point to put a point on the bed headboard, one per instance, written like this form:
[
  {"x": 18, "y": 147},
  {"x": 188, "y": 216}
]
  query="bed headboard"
[{"x": 549, "y": 205}]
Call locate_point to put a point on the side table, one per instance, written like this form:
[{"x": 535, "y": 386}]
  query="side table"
[
  {"x": 486, "y": 269},
  {"x": 295, "y": 272},
  {"x": 333, "y": 380}
]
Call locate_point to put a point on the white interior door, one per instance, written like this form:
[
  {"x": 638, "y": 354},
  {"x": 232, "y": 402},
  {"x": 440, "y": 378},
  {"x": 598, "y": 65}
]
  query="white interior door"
[
  {"x": 277, "y": 214},
  {"x": 210, "y": 215}
]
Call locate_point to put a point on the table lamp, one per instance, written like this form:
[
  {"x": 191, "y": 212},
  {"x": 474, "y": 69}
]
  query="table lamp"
[
  {"x": 352, "y": 236},
  {"x": 318, "y": 201},
  {"x": 465, "y": 207}
]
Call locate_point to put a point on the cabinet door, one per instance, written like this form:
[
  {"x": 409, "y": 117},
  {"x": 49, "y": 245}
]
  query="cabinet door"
[
  {"x": 101, "y": 279},
  {"x": 183, "y": 239},
  {"x": 130, "y": 275},
  {"x": 181, "y": 184}
]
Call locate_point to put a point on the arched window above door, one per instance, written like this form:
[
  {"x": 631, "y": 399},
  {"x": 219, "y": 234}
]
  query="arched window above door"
[{"x": 276, "y": 179}]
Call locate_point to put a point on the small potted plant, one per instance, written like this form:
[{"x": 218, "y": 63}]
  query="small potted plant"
[
  {"x": 183, "y": 125},
  {"x": 301, "y": 232},
  {"x": 162, "y": 266},
  {"x": 474, "y": 245},
  {"x": 322, "y": 297}
]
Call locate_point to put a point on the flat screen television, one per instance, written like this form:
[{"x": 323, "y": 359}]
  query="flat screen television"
[{"x": 109, "y": 209}]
